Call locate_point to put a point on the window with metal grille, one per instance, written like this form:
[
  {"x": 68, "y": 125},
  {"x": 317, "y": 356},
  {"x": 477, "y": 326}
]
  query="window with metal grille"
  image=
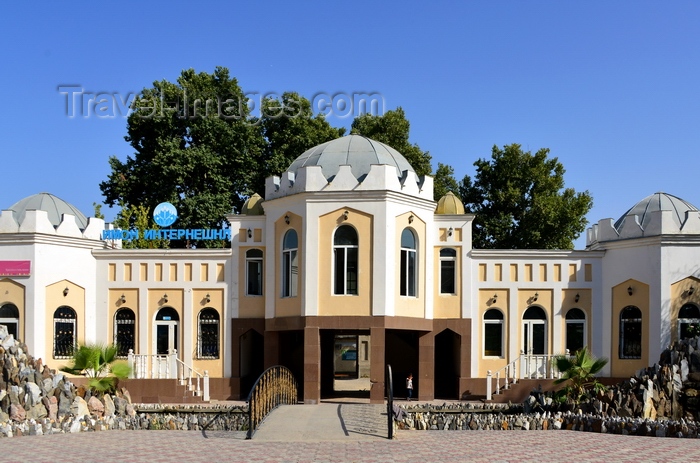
[
  {"x": 64, "y": 331},
  {"x": 208, "y": 336},
  {"x": 124, "y": 331}
]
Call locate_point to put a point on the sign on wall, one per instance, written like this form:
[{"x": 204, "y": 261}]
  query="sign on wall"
[{"x": 15, "y": 268}]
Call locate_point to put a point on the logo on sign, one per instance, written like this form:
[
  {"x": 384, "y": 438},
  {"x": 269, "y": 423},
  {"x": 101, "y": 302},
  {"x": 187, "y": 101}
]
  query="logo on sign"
[{"x": 165, "y": 214}]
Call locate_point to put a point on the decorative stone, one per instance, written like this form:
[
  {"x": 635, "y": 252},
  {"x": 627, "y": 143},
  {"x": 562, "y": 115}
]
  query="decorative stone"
[
  {"x": 96, "y": 408},
  {"x": 79, "y": 407},
  {"x": 110, "y": 408}
]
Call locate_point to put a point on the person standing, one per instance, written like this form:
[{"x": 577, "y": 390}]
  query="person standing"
[{"x": 409, "y": 387}]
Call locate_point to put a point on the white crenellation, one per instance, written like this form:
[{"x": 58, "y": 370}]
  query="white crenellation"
[
  {"x": 68, "y": 226},
  {"x": 8, "y": 224},
  {"x": 380, "y": 177},
  {"x": 36, "y": 222}
]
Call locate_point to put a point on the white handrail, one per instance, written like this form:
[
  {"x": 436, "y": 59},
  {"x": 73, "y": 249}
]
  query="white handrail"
[
  {"x": 531, "y": 367},
  {"x": 163, "y": 366}
]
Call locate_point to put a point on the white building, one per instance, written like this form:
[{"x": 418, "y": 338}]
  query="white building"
[{"x": 348, "y": 248}]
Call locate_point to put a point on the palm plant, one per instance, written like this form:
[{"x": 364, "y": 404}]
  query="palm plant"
[
  {"x": 99, "y": 363},
  {"x": 580, "y": 370}
]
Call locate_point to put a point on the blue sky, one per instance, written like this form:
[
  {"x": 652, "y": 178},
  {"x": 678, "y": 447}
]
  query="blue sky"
[{"x": 610, "y": 87}]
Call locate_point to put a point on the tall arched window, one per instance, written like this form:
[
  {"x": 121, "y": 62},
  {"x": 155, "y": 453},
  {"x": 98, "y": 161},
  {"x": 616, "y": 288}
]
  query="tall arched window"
[
  {"x": 630, "y": 333},
  {"x": 9, "y": 316},
  {"x": 254, "y": 269},
  {"x": 493, "y": 333},
  {"x": 409, "y": 270},
  {"x": 345, "y": 260},
  {"x": 290, "y": 264},
  {"x": 575, "y": 330},
  {"x": 208, "y": 336},
  {"x": 64, "y": 330},
  {"x": 688, "y": 316},
  {"x": 448, "y": 270},
  {"x": 125, "y": 331}
]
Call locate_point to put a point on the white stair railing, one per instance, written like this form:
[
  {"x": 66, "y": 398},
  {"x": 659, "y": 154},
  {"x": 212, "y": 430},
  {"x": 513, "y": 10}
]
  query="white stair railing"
[
  {"x": 166, "y": 367},
  {"x": 510, "y": 376},
  {"x": 531, "y": 367}
]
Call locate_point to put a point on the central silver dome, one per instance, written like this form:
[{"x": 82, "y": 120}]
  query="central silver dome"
[
  {"x": 354, "y": 150},
  {"x": 657, "y": 202}
]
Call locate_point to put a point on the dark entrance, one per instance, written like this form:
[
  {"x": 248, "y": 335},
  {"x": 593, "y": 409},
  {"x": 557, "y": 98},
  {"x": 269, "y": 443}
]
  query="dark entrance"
[
  {"x": 251, "y": 345},
  {"x": 344, "y": 364},
  {"x": 401, "y": 352},
  {"x": 291, "y": 355},
  {"x": 447, "y": 362}
]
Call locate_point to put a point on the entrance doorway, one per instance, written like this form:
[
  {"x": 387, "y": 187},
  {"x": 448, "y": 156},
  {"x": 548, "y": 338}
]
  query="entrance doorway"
[
  {"x": 166, "y": 331},
  {"x": 535, "y": 341},
  {"x": 345, "y": 364}
]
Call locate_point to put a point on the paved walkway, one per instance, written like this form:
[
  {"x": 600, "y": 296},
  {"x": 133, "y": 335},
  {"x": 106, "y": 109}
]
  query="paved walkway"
[{"x": 345, "y": 433}]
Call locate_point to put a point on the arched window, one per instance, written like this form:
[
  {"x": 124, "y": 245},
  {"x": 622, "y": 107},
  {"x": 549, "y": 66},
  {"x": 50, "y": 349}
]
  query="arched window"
[
  {"x": 409, "y": 270},
  {"x": 688, "y": 316},
  {"x": 64, "y": 330},
  {"x": 9, "y": 316},
  {"x": 535, "y": 331},
  {"x": 630, "y": 333},
  {"x": 254, "y": 275},
  {"x": 575, "y": 330},
  {"x": 448, "y": 268},
  {"x": 290, "y": 264},
  {"x": 493, "y": 333},
  {"x": 208, "y": 336},
  {"x": 124, "y": 331},
  {"x": 345, "y": 260}
]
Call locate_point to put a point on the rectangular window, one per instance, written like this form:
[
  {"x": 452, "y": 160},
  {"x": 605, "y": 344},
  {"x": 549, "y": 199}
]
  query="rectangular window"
[
  {"x": 447, "y": 277},
  {"x": 575, "y": 335},
  {"x": 291, "y": 274},
  {"x": 631, "y": 339},
  {"x": 493, "y": 338},
  {"x": 254, "y": 276}
]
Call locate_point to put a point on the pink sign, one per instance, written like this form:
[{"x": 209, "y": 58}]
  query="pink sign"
[{"x": 15, "y": 268}]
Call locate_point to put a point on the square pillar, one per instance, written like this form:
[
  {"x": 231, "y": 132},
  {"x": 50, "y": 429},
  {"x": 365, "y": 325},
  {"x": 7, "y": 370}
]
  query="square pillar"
[
  {"x": 312, "y": 365},
  {"x": 426, "y": 367},
  {"x": 377, "y": 366}
]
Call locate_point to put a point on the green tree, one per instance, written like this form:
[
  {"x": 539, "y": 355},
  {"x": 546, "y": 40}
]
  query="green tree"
[
  {"x": 444, "y": 181},
  {"x": 193, "y": 146},
  {"x": 393, "y": 129},
  {"x": 289, "y": 128},
  {"x": 580, "y": 370},
  {"x": 520, "y": 202},
  {"x": 99, "y": 363}
]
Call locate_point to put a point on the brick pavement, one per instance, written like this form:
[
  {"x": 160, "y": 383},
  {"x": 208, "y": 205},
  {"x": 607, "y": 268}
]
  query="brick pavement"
[{"x": 409, "y": 446}]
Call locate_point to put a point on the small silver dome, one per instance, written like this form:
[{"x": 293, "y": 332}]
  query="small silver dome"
[
  {"x": 53, "y": 205},
  {"x": 657, "y": 202}
]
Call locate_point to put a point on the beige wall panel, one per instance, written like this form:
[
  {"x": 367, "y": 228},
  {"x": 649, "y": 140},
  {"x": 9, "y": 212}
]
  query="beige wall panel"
[
  {"x": 332, "y": 304},
  {"x": 288, "y": 306},
  {"x": 621, "y": 299},
  {"x": 486, "y": 302},
  {"x": 249, "y": 306},
  {"x": 447, "y": 305},
  {"x": 75, "y": 299},
  {"x": 114, "y": 303},
  {"x": 12, "y": 292},
  {"x": 215, "y": 367},
  {"x": 411, "y": 306}
]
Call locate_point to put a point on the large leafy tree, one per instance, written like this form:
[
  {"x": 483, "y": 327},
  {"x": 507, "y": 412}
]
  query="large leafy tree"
[
  {"x": 194, "y": 146},
  {"x": 393, "y": 128},
  {"x": 520, "y": 201}
]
